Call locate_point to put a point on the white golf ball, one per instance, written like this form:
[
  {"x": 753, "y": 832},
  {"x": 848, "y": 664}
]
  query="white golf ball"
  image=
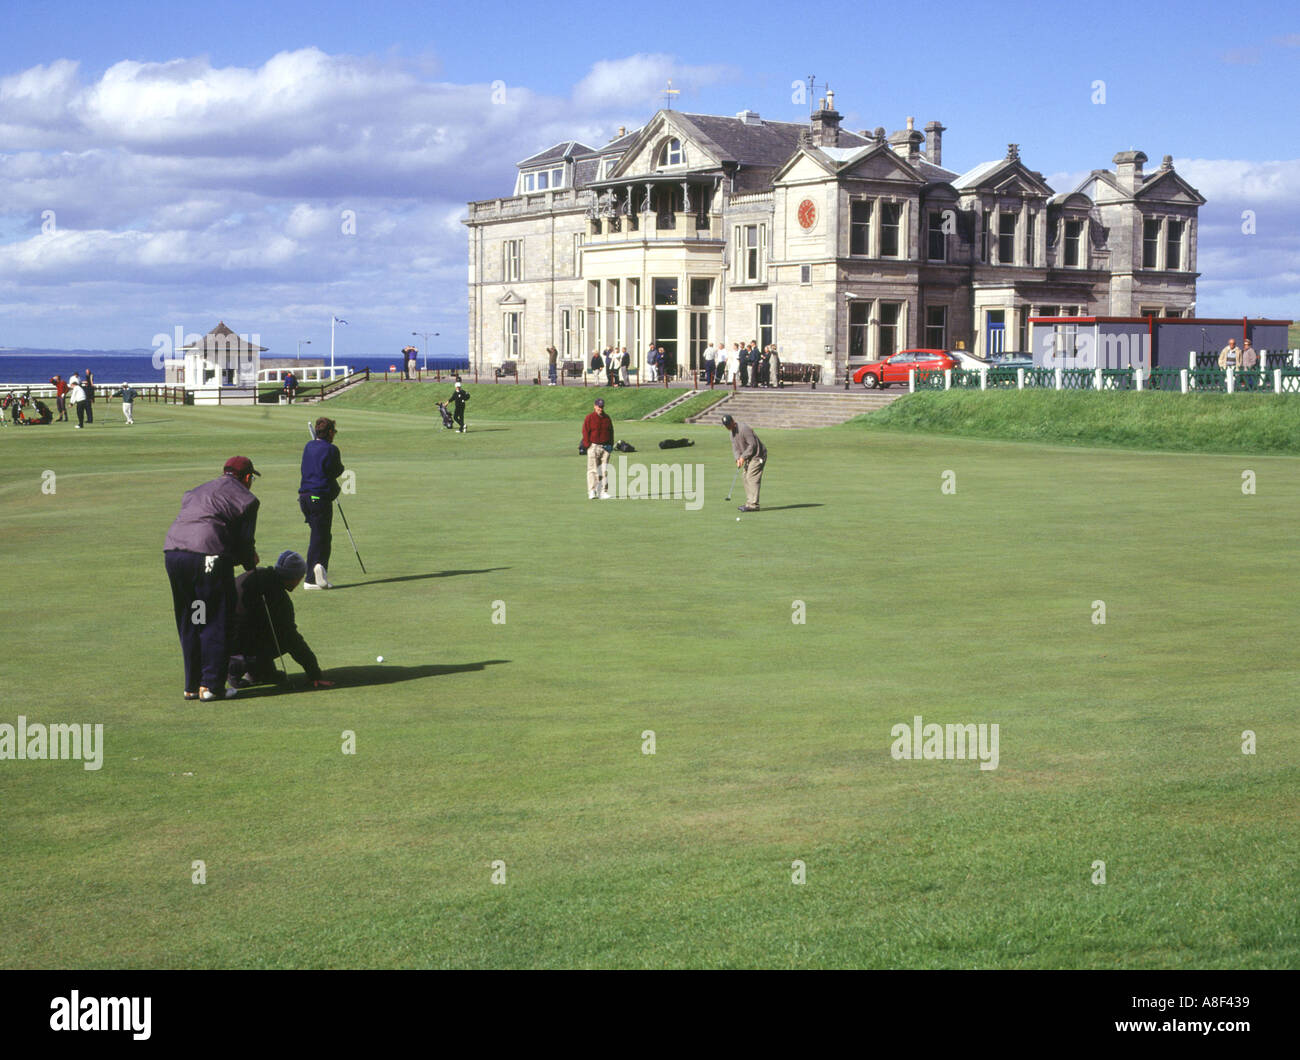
[
  {"x": 738, "y": 518},
  {"x": 379, "y": 658}
]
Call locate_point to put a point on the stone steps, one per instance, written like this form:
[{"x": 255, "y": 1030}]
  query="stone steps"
[
  {"x": 819, "y": 408},
  {"x": 684, "y": 396}
]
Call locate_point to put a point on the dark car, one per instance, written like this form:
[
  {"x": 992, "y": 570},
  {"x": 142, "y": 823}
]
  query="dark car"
[
  {"x": 1012, "y": 360},
  {"x": 896, "y": 368}
]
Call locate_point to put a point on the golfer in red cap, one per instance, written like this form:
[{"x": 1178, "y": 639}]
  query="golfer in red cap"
[{"x": 213, "y": 532}]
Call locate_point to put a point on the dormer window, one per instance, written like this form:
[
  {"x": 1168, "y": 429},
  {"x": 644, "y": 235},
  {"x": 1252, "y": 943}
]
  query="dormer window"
[
  {"x": 671, "y": 153},
  {"x": 1073, "y": 245},
  {"x": 543, "y": 179},
  {"x": 607, "y": 167}
]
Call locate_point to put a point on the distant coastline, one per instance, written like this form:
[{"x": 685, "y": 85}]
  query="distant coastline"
[{"x": 21, "y": 365}]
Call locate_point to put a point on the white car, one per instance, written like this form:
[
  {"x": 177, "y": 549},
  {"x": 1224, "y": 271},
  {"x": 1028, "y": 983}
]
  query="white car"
[{"x": 966, "y": 359}]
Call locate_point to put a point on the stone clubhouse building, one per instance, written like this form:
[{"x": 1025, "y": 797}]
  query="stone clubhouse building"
[{"x": 839, "y": 247}]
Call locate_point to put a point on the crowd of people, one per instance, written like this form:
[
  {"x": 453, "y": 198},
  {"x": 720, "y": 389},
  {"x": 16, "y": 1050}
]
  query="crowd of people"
[
  {"x": 743, "y": 365},
  {"x": 77, "y": 391},
  {"x": 746, "y": 365}
]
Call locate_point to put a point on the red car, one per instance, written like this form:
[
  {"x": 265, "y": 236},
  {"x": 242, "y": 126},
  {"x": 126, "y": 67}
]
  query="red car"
[{"x": 894, "y": 369}]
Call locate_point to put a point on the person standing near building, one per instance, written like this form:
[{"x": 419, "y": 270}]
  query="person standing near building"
[
  {"x": 720, "y": 365},
  {"x": 322, "y": 464},
  {"x": 127, "y": 393},
  {"x": 459, "y": 396},
  {"x": 750, "y": 454},
  {"x": 744, "y": 366},
  {"x": 213, "y": 532},
  {"x": 624, "y": 362},
  {"x": 1249, "y": 357},
  {"x": 652, "y": 362},
  {"x": 265, "y": 626},
  {"x": 77, "y": 395},
  {"x": 1228, "y": 355},
  {"x": 598, "y": 440},
  {"x": 552, "y": 355}
]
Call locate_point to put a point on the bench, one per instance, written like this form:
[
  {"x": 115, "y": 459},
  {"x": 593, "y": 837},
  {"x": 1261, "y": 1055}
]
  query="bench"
[{"x": 506, "y": 368}]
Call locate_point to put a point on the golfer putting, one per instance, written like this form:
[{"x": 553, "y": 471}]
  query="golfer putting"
[
  {"x": 751, "y": 455},
  {"x": 265, "y": 627}
]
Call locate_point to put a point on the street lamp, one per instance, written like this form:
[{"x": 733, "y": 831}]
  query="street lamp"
[
  {"x": 425, "y": 335},
  {"x": 300, "y": 342}
]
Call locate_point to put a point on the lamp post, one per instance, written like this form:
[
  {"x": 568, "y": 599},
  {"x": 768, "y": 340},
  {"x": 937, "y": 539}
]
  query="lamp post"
[
  {"x": 425, "y": 335},
  {"x": 300, "y": 342}
]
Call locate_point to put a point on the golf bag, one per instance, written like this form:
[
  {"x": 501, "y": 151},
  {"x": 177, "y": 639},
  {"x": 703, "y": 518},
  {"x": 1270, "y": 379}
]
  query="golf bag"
[
  {"x": 624, "y": 447},
  {"x": 446, "y": 416},
  {"x": 675, "y": 443}
]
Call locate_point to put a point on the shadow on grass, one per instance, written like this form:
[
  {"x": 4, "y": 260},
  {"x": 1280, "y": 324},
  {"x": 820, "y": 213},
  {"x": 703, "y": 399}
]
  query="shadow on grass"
[
  {"x": 418, "y": 577},
  {"x": 482, "y": 430},
  {"x": 787, "y": 507},
  {"x": 374, "y": 674}
]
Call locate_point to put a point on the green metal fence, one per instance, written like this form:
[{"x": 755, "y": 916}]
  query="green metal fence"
[{"x": 1207, "y": 379}]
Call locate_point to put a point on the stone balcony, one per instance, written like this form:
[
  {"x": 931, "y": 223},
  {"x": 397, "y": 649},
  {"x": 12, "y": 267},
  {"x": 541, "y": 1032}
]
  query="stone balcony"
[
  {"x": 539, "y": 203},
  {"x": 652, "y": 227}
]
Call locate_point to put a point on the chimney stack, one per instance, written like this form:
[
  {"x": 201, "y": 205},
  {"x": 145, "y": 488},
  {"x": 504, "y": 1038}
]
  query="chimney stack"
[
  {"x": 907, "y": 142},
  {"x": 826, "y": 122},
  {"x": 934, "y": 142},
  {"x": 1128, "y": 170}
]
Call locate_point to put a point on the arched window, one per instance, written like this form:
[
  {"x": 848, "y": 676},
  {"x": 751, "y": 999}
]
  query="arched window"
[{"x": 671, "y": 153}]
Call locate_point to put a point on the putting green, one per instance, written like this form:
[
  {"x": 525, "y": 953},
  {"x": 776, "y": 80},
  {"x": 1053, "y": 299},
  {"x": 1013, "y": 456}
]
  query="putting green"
[{"x": 533, "y": 639}]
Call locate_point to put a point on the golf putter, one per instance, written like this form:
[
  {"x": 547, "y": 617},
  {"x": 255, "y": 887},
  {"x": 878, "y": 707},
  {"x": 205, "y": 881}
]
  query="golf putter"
[
  {"x": 276, "y": 641},
  {"x": 733, "y": 482},
  {"x": 350, "y": 537}
]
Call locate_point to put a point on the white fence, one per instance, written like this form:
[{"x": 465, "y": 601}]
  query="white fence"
[{"x": 308, "y": 374}]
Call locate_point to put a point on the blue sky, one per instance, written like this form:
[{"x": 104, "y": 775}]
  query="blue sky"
[{"x": 164, "y": 166}]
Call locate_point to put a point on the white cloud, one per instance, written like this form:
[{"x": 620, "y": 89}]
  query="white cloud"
[
  {"x": 1223, "y": 180},
  {"x": 639, "y": 81}
]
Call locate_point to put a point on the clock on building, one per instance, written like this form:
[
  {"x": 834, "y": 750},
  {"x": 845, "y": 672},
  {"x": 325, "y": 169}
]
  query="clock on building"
[{"x": 807, "y": 214}]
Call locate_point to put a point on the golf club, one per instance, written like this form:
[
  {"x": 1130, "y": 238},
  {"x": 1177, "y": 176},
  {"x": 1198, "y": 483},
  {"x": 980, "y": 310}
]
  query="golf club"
[
  {"x": 733, "y": 481},
  {"x": 350, "y": 537},
  {"x": 276, "y": 641},
  {"x": 311, "y": 427}
]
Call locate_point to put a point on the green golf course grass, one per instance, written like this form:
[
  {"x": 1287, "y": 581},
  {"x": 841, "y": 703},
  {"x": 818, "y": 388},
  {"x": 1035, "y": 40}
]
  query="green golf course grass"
[{"x": 521, "y": 741}]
